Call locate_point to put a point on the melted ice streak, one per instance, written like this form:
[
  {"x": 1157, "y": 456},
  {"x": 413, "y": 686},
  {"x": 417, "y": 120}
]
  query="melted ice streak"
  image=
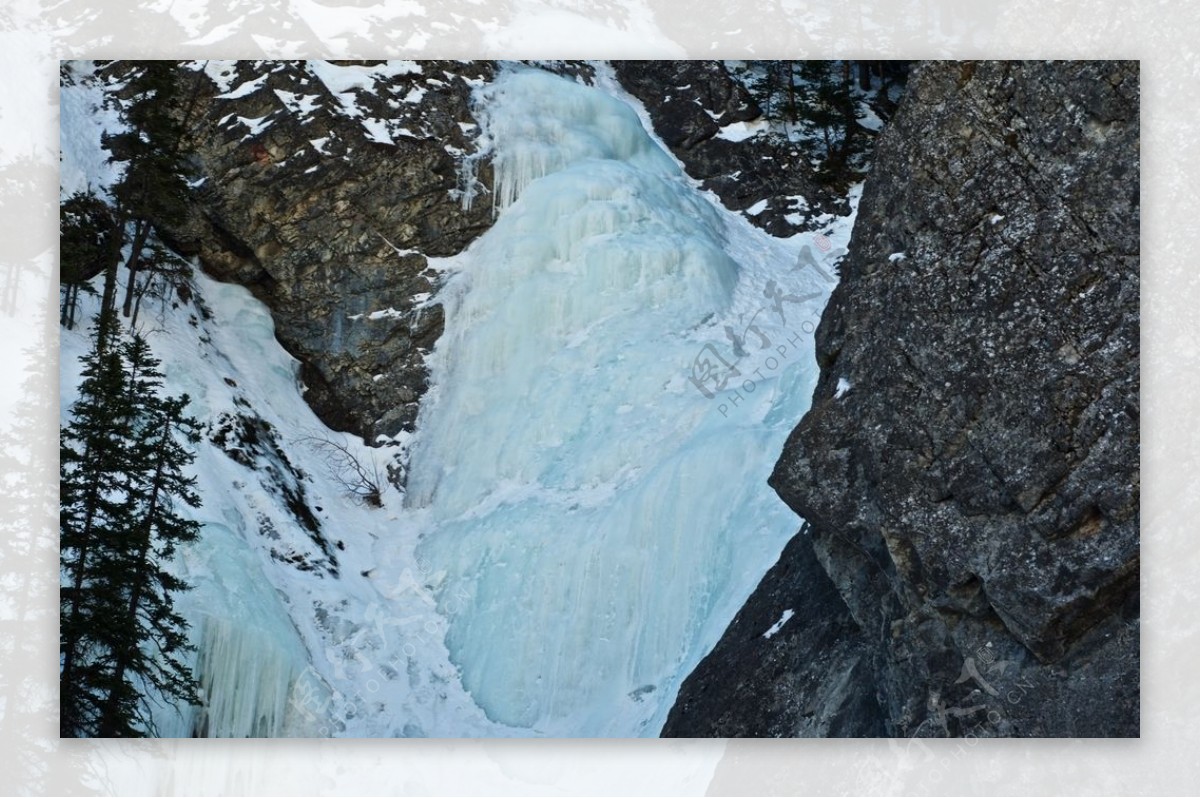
[{"x": 597, "y": 520}]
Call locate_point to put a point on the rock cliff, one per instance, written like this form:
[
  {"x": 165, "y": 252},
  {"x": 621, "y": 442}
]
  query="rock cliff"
[
  {"x": 969, "y": 468},
  {"x": 324, "y": 189},
  {"x": 692, "y": 104}
]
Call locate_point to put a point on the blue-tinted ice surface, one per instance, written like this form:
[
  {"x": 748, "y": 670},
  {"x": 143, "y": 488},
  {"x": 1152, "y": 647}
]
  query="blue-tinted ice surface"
[{"x": 599, "y": 518}]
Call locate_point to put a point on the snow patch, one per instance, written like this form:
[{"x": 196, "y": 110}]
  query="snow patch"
[
  {"x": 757, "y": 208},
  {"x": 868, "y": 118},
  {"x": 774, "y": 630},
  {"x": 247, "y": 88},
  {"x": 740, "y": 131},
  {"x": 377, "y": 131},
  {"x": 299, "y": 104},
  {"x": 221, "y": 72},
  {"x": 255, "y": 126}
]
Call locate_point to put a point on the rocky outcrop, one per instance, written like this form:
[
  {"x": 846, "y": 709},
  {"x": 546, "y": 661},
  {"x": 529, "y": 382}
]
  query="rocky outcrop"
[
  {"x": 324, "y": 191},
  {"x": 689, "y": 103},
  {"x": 969, "y": 467},
  {"x": 792, "y": 664}
]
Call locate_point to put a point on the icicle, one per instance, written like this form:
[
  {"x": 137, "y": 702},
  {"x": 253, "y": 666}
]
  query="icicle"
[
  {"x": 537, "y": 123},
  {"x": 245, "y": 681}
]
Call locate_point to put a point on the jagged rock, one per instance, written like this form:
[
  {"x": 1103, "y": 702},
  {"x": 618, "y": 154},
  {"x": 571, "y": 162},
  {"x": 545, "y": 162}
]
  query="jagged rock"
[
  {"x": 689, "y": 102},
  {"x": 330, "y": 225},
  {"x": 973, "y": 493},
  {"x": 767, "y": 679}
]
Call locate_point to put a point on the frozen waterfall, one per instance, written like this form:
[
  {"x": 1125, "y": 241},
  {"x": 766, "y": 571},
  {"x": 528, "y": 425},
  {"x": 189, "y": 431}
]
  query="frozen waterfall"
[{"x": 593, "y": 491}]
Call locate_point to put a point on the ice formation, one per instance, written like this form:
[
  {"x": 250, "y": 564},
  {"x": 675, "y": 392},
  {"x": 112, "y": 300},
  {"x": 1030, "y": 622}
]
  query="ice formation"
[{"x": 600, "y": 517}]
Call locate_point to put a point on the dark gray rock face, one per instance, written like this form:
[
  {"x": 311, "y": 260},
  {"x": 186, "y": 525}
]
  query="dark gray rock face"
[
  {"x": 689, "y": 102},
  {"x": 812, "y": 676},
  {"x": 330, "y": 225},
  {"x": 973, "y": 494}
]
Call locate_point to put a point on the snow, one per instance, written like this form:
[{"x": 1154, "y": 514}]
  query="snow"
[
  {"x": 843, "y": 385},
  {"x": 784, "y": 618},
  {"x": 83, "y": 117},
  {"x": 897, "y": 257},
  {"x": 377, "y": 131},
  {"x": 995, "y": 218},
  {"x": 222, "y": 73},
  {"x": 868, "y": 118},
  {"x": 256, "y": 125},
  {"x": 343, "y": 81},
  {"x": 757, "y": 208},
  {"x": 740, "y": 131},
  {"x": 299, "y": 104},
  {"x": 247, "y": 88}
]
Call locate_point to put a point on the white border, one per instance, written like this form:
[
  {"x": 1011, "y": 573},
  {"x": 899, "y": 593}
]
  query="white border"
[{"x": 34, "y": 34}]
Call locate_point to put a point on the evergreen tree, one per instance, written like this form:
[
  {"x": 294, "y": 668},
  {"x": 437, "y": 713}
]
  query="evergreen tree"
[
  {"x": 93, "y": 453},
  {"x": 123, "y": 463},
  {"x": 157, "y": 482},
  {"x": 86, "y": 230},
  {"x": 828, "y": 116},
  {"x": 153, "y": 188}
]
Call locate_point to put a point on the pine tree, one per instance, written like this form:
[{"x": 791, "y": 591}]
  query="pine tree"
[
  {"x": 153, "y": 188},
  {"x": 157, "y": 482},
  {"x": 123, "y": 479},
  {"x": 93, "y": 452},
  {"x": 86, "y": 229},
  {"x": 828, "y": 116}
]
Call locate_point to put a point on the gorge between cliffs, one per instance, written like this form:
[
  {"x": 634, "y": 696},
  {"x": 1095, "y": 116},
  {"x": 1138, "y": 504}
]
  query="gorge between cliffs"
[{"x": 632, "y": 398}]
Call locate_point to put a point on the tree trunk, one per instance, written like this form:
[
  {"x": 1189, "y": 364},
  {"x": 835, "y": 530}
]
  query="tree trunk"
[
  {"x": 110, "y": 717},
  {"x": 108, "y": 300},
  {"x": 792, "y": 114},
  {"x": 139, "y": 240},
  {"x": 67, "y": 317},
  {"x": 137, "y": 302},
  {"x": 864, "y": 75}
]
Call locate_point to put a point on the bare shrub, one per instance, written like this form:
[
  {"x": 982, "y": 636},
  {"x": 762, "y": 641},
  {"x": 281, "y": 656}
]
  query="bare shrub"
[{"x": 363, "y": 482}]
